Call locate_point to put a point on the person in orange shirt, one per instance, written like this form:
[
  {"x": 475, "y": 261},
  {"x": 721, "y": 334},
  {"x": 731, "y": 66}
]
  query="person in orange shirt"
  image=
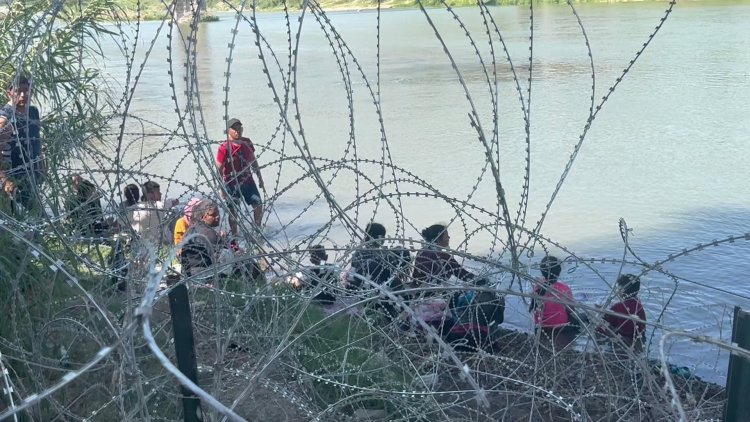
[{"x": 183, "y": 223}]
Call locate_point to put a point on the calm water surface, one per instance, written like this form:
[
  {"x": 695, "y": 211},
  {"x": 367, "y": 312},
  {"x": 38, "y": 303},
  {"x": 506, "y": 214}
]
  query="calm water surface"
[{"x": 668, "y": 152}]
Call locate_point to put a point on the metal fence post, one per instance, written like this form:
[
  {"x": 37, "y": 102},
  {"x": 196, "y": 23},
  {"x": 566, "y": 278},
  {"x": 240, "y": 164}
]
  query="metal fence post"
[
  {"x": 738, "y": 375},
  {"x": 182, "y": 326}
]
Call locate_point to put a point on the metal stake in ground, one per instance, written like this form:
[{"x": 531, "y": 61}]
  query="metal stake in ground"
[
  {"x": 182, "y": 326},
  {"x": 738, "y": 374}
]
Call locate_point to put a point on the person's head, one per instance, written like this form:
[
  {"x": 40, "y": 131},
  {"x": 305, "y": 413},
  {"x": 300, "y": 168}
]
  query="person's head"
[
  {"x": 81, "y": 187},
  {"x": 318, "y": 254},
  {"x": 131, "y": 194},
  {"x": 629, "y": 285},
  {"x": 19, "y": 91},
  {"x": 437, "y": 234},
  {"x": 151, "y": 191},
  {"x": 374, "y": 234},
  {"x": 234, "y": 129},
  {"x": 550, "y": 268},
  {"x": 207, "y": 212},
  {"x": 9, "y": 186},
  {"x": 190, "y": 208},
  {"x": 75, "y": 181}
]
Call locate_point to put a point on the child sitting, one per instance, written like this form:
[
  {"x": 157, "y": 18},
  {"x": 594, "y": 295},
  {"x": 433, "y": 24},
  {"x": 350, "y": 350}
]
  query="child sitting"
[{"x": 630, "y": 306}]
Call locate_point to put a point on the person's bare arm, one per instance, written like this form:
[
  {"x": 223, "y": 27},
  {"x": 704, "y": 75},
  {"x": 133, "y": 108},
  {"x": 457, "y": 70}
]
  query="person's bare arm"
[
  {"x": 4, "y": 138},
  {"x": 256, "y": 169},
  {"x": 5, "y": 131},
  {"x": 220, "y": 168},
  {"x": 42, "y": 161}
]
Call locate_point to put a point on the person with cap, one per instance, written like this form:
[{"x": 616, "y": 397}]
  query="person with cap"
[{"x": 236, "y": 162}]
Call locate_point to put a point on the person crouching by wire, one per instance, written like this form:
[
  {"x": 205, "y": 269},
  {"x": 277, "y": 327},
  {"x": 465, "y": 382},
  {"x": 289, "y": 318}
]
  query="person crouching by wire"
[
  {"x": 203, "y": 247},
  {"x": 433, "y": 265},
  {"x": 85, "y": 209},
  {"x": 621, "y": 324},
  {"x": 201, "y": 243},
  {"x": 183, "y": 223},
  {"x": 9, "y": 203},
  {"x": 556, "y": 319},
  {"x": 319, "y": 277}
]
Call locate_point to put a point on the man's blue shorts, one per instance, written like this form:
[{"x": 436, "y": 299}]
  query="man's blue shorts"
[{"x": 248, "y": 191}]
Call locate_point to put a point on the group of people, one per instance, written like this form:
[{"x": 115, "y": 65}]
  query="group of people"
[
  {"x": 148, "y": 217},
  {"x": 22, "y": 170},
  {"x": 422, "y": 283},
  {"x": 554, "y": 312}
]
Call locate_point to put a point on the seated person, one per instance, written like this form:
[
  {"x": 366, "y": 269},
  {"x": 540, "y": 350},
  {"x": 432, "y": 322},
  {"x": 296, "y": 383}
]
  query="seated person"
[
  {"x": 203, "y": 247},
  {"x": 549, "y": 313},
  {"x": 377, "y": 263},
  {"x": 630, "y": 306},
  {"x": 131, "y": 193},
  {"x": 125, "y": 208},
  {"x": 182, "y": 224},
  {"x": 322, "y": 273},
  {"x": 434, "y": 266},
  {"x": 556, "y": 320},
  {"x": 477, "y": 313},
  {"x": 202, "y": 244},
  {"x": 149, "y": 218},
  {"x": 479, "y": 306},
  {"x": 310, "y": 277},
  {"x": 9, "y": 203},
  {"x": 86, "y": 213}
]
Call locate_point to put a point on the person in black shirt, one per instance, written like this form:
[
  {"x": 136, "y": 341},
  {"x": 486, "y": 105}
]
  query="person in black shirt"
[{"x": 20, "y": 142}]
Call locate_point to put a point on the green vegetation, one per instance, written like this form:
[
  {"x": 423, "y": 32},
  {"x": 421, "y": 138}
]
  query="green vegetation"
[
  {"x": 154, "y": 9},
  {"x": 348, "y": 360}
]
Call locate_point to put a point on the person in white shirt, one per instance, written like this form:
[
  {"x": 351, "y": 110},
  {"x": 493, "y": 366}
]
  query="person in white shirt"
[{"x": 150, "y": 219}]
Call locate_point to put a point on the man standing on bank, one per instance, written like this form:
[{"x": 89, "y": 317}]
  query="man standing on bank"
[
  {"x": 236, "y": 162},
  {"x": 21, "y": 142}
]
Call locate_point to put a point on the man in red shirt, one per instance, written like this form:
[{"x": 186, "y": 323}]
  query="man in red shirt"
[{"x": 236, "y": 162}]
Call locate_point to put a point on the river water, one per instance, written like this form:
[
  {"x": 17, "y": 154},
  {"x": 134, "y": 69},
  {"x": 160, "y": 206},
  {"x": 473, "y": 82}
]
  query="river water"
[{"x": 668, "y": 151}]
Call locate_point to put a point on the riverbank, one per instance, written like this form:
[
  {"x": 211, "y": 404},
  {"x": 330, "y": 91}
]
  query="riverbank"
[
  {"x": 155, "y": 10},
  {"x": 329, "y": 363}
]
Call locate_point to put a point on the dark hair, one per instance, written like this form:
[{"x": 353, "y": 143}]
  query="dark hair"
[
  {"x": 203, "y": 208},
  {"x": 630, "y": 285},
  {"x": 318, "y": 252},
  {"x": 433, "y": 233},
  {"x": 550, "y": 268},
  {"x": 149, "y": 187},
  {"x": 131, "y": 194},
  {"x": 86, "y": 189},
  {"x": 17, "y": 81},
  {"x": 374, "y": 231}
]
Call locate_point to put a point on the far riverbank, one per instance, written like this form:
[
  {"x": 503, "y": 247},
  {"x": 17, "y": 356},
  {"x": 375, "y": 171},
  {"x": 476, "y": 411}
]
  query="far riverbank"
[{"x": 155, "y": 10}]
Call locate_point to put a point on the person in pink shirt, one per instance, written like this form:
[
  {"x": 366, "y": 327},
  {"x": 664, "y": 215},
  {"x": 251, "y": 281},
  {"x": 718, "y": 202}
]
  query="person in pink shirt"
[
  {"x": 622, "y": 323},
  {"x": 549, "y": 312}
]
